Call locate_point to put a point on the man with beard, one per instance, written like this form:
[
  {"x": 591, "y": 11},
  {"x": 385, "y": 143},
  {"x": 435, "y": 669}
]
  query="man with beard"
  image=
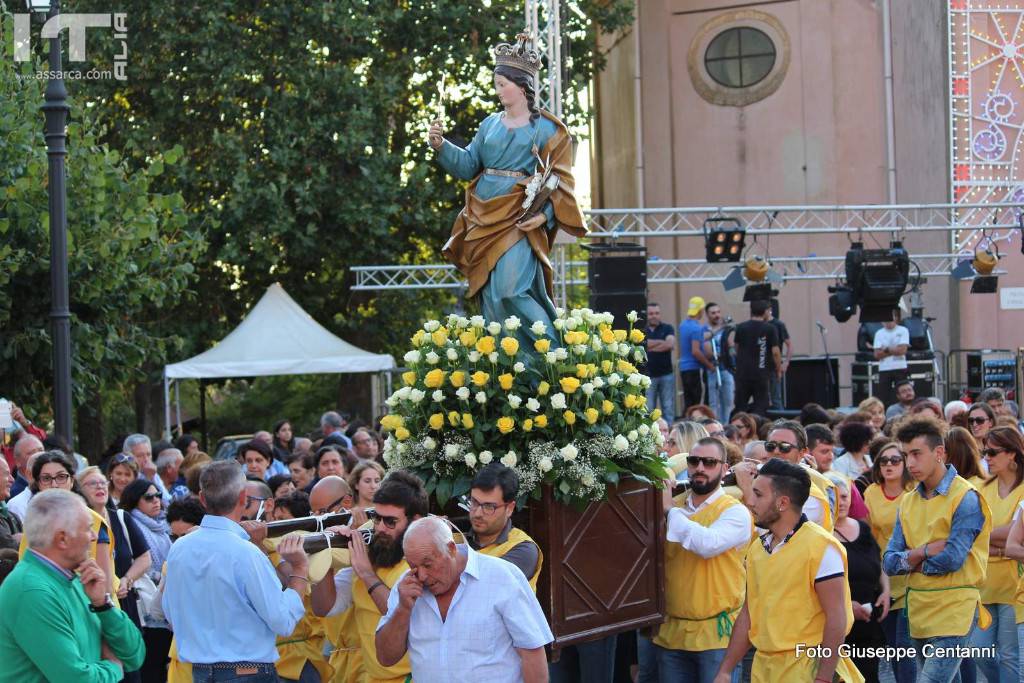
[
  {"x": 492, "y": 501},
  {"x": 796, "y": 570},
  {"x": 400, "y": 500},
  {"x": 707, "y": 533}
]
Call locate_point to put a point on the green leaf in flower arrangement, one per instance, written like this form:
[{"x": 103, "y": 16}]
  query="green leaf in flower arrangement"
[
  {"x": 461, "y": 486},
  {"x": 443, "y": 492},
  {"x": 611, "y": 477},
  {"x": 564, "y": 487}
]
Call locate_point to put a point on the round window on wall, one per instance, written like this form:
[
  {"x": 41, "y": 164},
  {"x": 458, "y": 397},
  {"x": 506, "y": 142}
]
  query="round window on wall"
[{"x": 740, "y": 57}]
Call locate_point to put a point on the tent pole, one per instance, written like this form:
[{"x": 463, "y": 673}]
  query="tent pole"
[
  {"x": 202, "y": 413},
  {"x": 167, "y": 407},
  {"x": 177, "y": 406}
]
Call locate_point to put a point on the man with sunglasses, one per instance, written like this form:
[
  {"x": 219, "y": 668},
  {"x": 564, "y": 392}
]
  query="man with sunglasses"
[
  {"x": 366, "y": 585},
  {"x": 492, "y": 502},
  {"x": 704, "y": 576},
  {"x": 259, "y": 501}
]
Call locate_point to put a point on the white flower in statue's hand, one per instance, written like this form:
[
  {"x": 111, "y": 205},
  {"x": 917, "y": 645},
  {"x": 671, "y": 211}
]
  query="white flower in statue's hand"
[
  {"x": 620, "y": 444},
  {"x": 494, "y": 328},
  {"x": 512, "y": 323},
  {"x": 569, "y": 452},
  {"x": 485, "y": 457},
  {"x": 431, "y": 325},
  {"x": 452, "y": 354},
  {"x": 514, "y": 401},
  {"x": 558, "y": 401},
  {"x": 481, "y": 397},
  {"x": 518, "y": 367},
  {"x": 462, "y": 393},
  {"x": 412, "y": 357},
  {"x": 538, "y": 327},
  {"x": 533, "y": 404},
  {"x": 433, "y": 358}
]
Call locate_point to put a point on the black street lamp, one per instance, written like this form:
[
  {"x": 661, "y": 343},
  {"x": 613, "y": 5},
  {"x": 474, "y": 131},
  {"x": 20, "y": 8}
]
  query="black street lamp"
[{"x": 56, "y": 109}]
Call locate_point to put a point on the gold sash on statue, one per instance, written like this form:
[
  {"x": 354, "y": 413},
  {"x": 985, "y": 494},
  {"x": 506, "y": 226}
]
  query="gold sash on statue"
[{"x": 486, "y": 228}]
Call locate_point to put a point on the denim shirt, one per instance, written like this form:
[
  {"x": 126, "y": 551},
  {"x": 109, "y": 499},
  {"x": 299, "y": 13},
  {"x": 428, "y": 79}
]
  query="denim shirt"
[{"x": 968, "y": 520}]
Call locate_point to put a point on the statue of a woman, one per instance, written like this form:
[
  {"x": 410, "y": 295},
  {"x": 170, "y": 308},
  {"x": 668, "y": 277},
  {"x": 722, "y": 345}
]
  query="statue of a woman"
[{"x": 500, "y": 246}]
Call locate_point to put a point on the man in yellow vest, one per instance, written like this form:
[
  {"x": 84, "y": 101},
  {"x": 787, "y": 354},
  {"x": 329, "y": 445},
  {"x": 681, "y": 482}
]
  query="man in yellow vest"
[
  {"x": 798, "y": 608},
  {"x": 492, "y": 501},
  {"x": 940, "y": 541},
  {"x": 400, "y": 500},
  {"x": 704, "y": 576}
]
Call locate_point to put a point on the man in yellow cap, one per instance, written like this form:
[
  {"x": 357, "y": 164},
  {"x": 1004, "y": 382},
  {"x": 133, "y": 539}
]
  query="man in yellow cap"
[{"x": 692, "y": 360}]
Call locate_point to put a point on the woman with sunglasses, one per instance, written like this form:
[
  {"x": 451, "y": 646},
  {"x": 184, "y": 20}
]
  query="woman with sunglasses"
[
  {"x": 980, "y": 419},
  {"x": 746, "y": 428},
  {"x": 142, "y": 500},
  {"x": 891, "y": 483},
  {"x": 963, "y": 453},
  {"x": 1004, "y": 493},
  {"x": 121, "y": 471}
]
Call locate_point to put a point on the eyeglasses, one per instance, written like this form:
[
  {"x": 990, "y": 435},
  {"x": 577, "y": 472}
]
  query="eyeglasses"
[
  {"x": 96, "y": 484},
  {"x": 60, "y": 479},
  {"x": 890, "y": 460},
  {"x": 389, "y": 522},
  {"x": 977, "y": 420},
  {"x": 121, "y": 458},
  {"x": 330, "y": 508},
  {"x": 150, "y": 497},
  {"x": 694, "y": 460},
  {"x": 781, "y": 446},
  {"x": 488, "y": 508},
  {"x": 992, "y": 452},
  {"x": 250, "y": 499}
]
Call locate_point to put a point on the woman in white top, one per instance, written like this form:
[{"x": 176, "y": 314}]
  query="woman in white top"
[{"x": 854, "y": 437}]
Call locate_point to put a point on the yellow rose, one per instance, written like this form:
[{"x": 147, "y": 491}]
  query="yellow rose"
[
  {"x": 634, "y": 401},
  {"x": 628, "y": 401},
  {"x": 541, "y": 421},
  {"x": 401, "y": 433},
  {"x": 392, "y": 421},
  {"x": 505, "y": 381},
  {"x": 510, "y": 346},
  {"x": 468, "y": 338},
  {"x": 417, "y": 339},
  {"x": 480, "y": 378},
  {"x": 439, "y": 336},
  {"x": 656, "y": 414},
  {"x": 467, "y": 420},
  {"x": 571, "y": 338},
  {"x": 506, "y": 424},
  {"x": 607, "y": 367},
  {"x": 453, "y": 419},
  {"x": 607, "y": 336},
  {"x": 607, "y": 407},
  {"x": 409, "y": 378},
  {"x": 542, "y": 389},
  {"x": 591, "y": 415},
  {"x": 625, "y": 366},
  {"x": 569, "y": 417},
  {"x": 434, "y": 378},
  {"x": 458, "y": 378},
  {"x": 636, "y": 336},
  {"x": 569, "y": 384},
  {"x": 542, "y": 345},
  {"x": 527, "y": 425},
  {"x": 436, "y": 421},
  {"x": 620, "y": 335},
  {"x": 486, "y": 345}
]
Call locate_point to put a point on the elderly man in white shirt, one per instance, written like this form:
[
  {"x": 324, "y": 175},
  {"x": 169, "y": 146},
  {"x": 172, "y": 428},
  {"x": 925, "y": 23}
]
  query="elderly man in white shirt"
[{"x": 461, "y": 615}]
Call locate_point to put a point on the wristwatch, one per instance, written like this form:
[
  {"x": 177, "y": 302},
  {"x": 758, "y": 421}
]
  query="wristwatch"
[{"x": 107, "y": 605}]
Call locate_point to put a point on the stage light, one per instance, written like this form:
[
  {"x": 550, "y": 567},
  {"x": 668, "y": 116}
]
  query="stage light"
[
  {"x": 756, "y": 270},
  {"x": 984, "y": 263},
  {"x": 724, "y": 240},
  {"x": 842, "y": 304},
  {"x": 878, "y": 278}
]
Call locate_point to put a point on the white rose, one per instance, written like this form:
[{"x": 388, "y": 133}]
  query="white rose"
[
  {"x": 623, "y": 349},
  {"x": 485, "y": 457},
  {"x": 579, "y": 349},
  {"x": 431, "y": 325},
  {"x": 559, "y": 324},
  {"x": 473, "y": 356},
  {"x": 632, "y": 316},
  {"x": 632, "y": 436},
  {"x": 412, "y": 357},
  {"x": 518, "y": 367},
  {"x": 391, "y": 401},
  {"x": 559, "y": 311},
  {"x": 614, "y": 379},
  {"x": 514, "y": 401},
  {"x": 569, "y": 452},
  {"x": 429, "y": 444},
  {"x": 452, "y": 354},
  {"x": 598, "y": 382},
  {"x": 417, "y": 395},
  {"x": 462, "y": 323},
  {"x": 477, "y": 321},
  {"x": 437, "y": 396},
  {"x": 558, "y": 401},
  {"x": 659, "y": 438},
  {"x": 571, "y": 323},
  {"x": 494, "y": 328},
  {"x": 588, "y": 388},
  {"x": 621, "y": 443},
  {"x": 635, "y": 378},
  {"x": 403, "y": 393},
  {"x": 470, "y": 460},
  {"x": 644, "y": 430},
  {"x": 493, "y": 356},
  {"x": 451, "y": 450},
  {"x": 402, "y": 448},
  {"x": 596, "y": 344},
  {"x": 462, "y": 393},
  {"x": 512, "y": 323},
  {"x": 545, "y": 465},
  {"x": 588, "y": 480},
  {"x": 432, "y": 358},
  {"x": 538, "y": 328},
  {"x": 481, "y": 397},
  {"x": 551, "y": 357},
  {"x": 645, "y": 382},
  {"x": 638, "y": 355},
  {"x": 561, "y": 353},
  {"x": 509, "y": 459},
  {"x": 533, "y": 404}
]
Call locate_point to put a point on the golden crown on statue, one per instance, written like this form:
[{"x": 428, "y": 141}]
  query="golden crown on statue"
[{"x": 519, "y": 55}]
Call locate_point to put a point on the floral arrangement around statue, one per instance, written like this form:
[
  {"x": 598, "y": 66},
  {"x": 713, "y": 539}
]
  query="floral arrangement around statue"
[{"x": 573, "y": 416}]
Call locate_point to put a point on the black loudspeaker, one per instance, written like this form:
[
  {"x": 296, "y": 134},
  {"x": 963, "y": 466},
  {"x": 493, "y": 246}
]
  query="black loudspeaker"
[
  {"x": 808, "y": 381},
  {"x": 617, "y": 276}
]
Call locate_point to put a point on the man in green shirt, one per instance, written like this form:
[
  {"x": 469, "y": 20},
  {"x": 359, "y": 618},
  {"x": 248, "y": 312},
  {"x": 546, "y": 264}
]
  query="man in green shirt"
[{"x": 59, "y": 623}]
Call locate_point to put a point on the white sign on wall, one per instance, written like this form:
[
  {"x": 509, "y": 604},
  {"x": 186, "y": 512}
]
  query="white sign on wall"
[{"x": 1011, "y": 298}]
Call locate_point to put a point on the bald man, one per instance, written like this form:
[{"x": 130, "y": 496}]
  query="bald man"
[
  {"x": 24, "y": 448},
  {"x": 330, "y": 494}
]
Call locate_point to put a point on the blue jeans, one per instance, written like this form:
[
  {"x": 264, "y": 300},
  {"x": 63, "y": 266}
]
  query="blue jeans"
[
  {"x": 309, "y": 674},
  {"x": 720, "y": 394},
  {"x": 663, "y": 390},
  {"x": 646, "y": 659},
  {"x": 1005, "y": 666},
  {"x": 591, "y": 662},
  {"x": 940, "y": 669},
  {"x": 775, "y": 395},
  {"x": 896, "y": 635},
  {"x": 203, "y": 673},
  {"x": 681, "y": 666}
]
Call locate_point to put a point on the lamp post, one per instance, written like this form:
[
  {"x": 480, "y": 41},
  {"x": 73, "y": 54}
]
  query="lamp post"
[{"x": 56, "y": 110}]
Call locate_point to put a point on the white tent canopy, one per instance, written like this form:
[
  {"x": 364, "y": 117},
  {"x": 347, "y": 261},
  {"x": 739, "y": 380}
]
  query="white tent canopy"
[{"x": 277, "y": 337}]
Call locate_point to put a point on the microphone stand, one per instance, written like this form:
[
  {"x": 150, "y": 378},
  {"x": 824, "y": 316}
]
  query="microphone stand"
[{"x": 828, "y": 363}]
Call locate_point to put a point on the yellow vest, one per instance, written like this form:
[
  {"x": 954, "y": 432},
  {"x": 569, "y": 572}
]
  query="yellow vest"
[
  {"x": 367, "y": 617},
  {"x": 515, "y": 537},
  {"x": 347, "y": 658},
  {"x": 177, "y": 670},
  {"x": 1000, "y": 585},
  {"x": 306, "y": 642},
  {"x": 820, "y": 486},
  {"x": 784, "y": 607},
  {"x": 943, "y": 605},
  {"x": 882, "y": 520},
  {"x": 703, "y": 595}
]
